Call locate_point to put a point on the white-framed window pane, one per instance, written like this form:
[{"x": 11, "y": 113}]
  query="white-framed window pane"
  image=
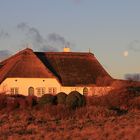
[
  {"x": 40, "y": 91},
  {"x": 54, "y": 90},
  {"x": 14, "y": 90},
  {"x": 50, "y": 90},
  {"x": 43, "y": 91}
]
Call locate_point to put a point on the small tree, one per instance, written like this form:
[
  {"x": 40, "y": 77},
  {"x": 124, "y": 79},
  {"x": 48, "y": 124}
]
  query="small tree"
[
  {"x": 81, "y": 98},
  {"x": 75, "y": 99},
  {"x": 47, "y": 99},
  {"x": 61, "y": 98},
  {"x": 72, "y": 101}
]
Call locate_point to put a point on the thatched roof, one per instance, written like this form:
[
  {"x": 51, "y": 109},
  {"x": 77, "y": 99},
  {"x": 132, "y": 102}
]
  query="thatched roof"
[
  {"x": 24, "y": 64},
  {"x": 70, "y": 68}
]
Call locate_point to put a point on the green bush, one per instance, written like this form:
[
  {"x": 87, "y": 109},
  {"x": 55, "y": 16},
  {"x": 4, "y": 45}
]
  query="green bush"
[
  {"x": 61, "y": 98},
  {"x": 47, "y": 99},
  {"x": 75, "y": 99}
]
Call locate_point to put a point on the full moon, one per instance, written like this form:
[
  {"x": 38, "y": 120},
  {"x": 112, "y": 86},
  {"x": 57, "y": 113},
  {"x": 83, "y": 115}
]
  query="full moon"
[{"x": 125, "y": 53}]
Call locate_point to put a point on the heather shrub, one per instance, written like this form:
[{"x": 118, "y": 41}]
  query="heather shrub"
[
  {"x": 18, "y": 96},
  {"x": 75, "y": 99},
  {"x": 57, "y": 112},
  {"x": 61, "y": 98},
  {"x": 31, "y": 101},
  {"x": 12, "y": 103},
  {"x": 134, "y": 103},
  {"x": 93, "y": 113},
  {"x": 47, "y": 99},
  {"x": 3, "y": 98},
  {"x": 118, "y": 98},
  {"x": 22, "y": 100},
  {"x": 93, "y": 101},
  {"x": 114, "y": 99},
  {"x": 23, "y": 104}
]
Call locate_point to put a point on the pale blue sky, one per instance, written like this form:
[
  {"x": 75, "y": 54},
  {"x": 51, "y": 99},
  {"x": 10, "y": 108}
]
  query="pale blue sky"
[{"x": 107, "y": 27}]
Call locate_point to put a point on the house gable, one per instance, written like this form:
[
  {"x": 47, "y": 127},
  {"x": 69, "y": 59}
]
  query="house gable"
[{"x": 24, "y": 64}]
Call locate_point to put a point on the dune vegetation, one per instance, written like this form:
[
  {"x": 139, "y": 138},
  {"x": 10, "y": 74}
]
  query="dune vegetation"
[{"x": 115, "y": 116}]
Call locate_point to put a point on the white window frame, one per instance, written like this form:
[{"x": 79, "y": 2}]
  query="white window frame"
[
  {"x": 40, "y": 91},
  {"x": 14, "y": 90},
  {"x": 52, "y": 90}
]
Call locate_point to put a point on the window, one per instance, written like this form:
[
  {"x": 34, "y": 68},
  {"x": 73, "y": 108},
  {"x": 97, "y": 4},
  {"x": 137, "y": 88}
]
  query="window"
[
  {"x": 40, "y": 91},
  {"x": 52, "y": 90},
  {"x": 14, "y": 90},
  {"x": 85, "y": 91}
]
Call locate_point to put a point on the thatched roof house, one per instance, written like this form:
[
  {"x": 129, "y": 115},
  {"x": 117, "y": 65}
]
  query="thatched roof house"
[{"x": 69, "y": 69}]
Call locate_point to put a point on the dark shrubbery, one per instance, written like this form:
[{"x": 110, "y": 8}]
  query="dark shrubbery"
[
  {"x": 21, "y": 99},
  {"x": 23, "y": 103},
  {"x": 81, "y": 98},
  {"x": 47, "y": 99},
  {"x": 17, "y": 96},
  {"x": 117, "y": 99},
  {"x": 134, "y": 103},
  {"x": 75, "y": 99},
  {"x": 61, "y": 98},
  {"x": 31, "y": 101},
  {"x": 72, "y": 101},
  {"x": 2, "y": 101},
  {"x": 12, "y": 103}
]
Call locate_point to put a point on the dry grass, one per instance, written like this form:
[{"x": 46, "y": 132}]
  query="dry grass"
[
  {"x": 58, "y": 123},
  {"x": 98, "y": 120}
]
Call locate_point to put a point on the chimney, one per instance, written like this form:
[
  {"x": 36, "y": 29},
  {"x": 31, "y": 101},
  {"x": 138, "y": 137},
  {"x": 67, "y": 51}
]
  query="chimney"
[{"x": 66, "y": 49}]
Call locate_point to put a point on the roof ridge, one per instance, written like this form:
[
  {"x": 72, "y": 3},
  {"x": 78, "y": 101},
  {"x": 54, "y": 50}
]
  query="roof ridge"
[
  {"x": 18, "y": 53},
  {"x": 43, "y": 65},
  {"x": 7, "y": 68},
  {"x": 67, "y": 52}
]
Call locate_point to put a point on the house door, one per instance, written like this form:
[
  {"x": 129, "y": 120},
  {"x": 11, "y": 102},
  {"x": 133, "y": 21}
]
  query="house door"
[{"x": 30, "y": 91}]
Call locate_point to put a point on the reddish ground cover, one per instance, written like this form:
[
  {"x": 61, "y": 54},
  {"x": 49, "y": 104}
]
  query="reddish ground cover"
[
  {"x": 95, "y": 123},
  {"x": 111, "y": 117}
]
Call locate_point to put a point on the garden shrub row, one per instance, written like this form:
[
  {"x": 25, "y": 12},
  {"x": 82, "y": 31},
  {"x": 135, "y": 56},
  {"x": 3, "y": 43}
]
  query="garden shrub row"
[
  {"x": 72, "y": 100},
  {"x": 17, "y": 101}
]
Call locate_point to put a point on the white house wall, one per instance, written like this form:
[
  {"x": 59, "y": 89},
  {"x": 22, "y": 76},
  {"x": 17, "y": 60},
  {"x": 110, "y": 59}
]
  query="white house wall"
[{"x": 23, "y": 85}]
